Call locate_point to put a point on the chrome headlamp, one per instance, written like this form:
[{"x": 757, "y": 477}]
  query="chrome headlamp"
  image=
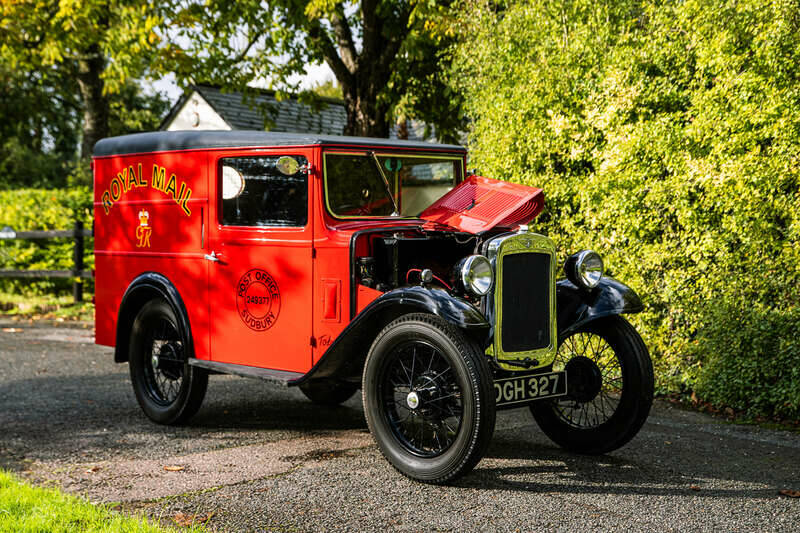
[
  {"x": 584, "y": 269},
  {"x": 475, "y": 274}
]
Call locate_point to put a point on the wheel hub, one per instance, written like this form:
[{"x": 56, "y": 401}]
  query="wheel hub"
[
  {"x": 412, "y": 400},
  {"x": 584, "y": 379},
  {"x": 425, "y": 389},
  {"x": 167, "y": 361}
]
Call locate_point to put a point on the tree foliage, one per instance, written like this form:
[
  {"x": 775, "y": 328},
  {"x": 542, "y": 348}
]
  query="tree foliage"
[
  {"x": 98, "y": 46},
  {"x": 667, "y": 136},
  {"x": 67, "y": 74},
  {"x": 327, "y": 89},
  {"x": 384, "y": 54},
  {"x": 41, "y": 128}
]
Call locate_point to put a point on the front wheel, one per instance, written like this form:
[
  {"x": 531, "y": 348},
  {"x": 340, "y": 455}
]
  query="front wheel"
[
  {"x": 168, "y": 389},
  {"x": 609, "y": 385},
  {"x": 428, "y": 398}
]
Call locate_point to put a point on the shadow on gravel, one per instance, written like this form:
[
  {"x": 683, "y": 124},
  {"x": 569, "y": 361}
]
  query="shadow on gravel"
[
  {"x": 11, "y": 461},
  {"x": 609, "y": 474},
  {"x": 273, "y": 410},
  {"x": 96, "y": 416},
  {"x": 579, "y": 481}
]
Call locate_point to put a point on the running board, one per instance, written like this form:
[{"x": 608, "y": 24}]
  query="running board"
[{"x": 281, "y": 377}]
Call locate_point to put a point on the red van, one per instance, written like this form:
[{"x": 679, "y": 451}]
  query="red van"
[{"x": 339, "y": 263}]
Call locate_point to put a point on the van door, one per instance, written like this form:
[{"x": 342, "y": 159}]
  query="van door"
[{"x": 260, "y": 276}]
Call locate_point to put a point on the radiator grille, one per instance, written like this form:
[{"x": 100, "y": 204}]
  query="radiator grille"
[{"x": 526, "y": 302}]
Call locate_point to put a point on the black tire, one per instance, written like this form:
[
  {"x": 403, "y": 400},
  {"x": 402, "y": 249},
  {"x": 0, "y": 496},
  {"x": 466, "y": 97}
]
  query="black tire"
[
  {"x": 168, "y": 389},
  {"x": 448, "y": 429},
  {"x": 328, "y": 392},
  {"x": 609, "y": 402}
]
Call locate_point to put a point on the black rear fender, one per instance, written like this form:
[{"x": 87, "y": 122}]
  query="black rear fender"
[{"x": 146, "y": 287}]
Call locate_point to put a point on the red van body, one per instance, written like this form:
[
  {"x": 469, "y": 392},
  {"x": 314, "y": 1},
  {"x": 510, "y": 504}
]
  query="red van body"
[{"x": 183, "y": 226}]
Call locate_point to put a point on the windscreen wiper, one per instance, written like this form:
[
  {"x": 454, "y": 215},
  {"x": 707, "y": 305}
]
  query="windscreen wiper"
[{"x": 396, "y": 212}]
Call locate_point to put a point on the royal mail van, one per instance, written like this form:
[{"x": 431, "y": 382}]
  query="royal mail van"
[{"x": 339, "y": 263}]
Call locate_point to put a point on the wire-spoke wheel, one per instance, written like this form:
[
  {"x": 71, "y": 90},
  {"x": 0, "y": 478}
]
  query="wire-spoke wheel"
[
  {"x": 428, "y": 399},
  {"x": 421, "y": 398},
  {"x": 167, "y": 388},
  {"x": 609, "y": 388}
]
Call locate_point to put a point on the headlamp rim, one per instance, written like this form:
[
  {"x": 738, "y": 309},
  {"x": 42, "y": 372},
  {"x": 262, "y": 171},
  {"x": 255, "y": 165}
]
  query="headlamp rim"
[
  {"x": 573, "y": 270},
  {"x": 466, "y": 268}
]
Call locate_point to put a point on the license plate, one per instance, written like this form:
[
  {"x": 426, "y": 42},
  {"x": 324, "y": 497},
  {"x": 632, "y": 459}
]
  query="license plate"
[{"x": 519, "y": 390}]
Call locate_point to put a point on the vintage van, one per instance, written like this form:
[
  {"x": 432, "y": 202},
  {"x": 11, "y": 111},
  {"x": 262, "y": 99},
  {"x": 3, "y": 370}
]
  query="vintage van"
[{"x": 338, "y": 263}]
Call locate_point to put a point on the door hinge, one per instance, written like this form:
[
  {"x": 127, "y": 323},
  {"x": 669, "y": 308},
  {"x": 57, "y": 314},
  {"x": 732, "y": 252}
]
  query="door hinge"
[
  {"x": 313, "y": 342},
  {"x": 313, "y": 253}
]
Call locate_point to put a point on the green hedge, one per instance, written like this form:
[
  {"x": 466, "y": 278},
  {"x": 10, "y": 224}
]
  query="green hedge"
[
  {"x": 43, "y": 209},
  {"x": 666, "y": 135}
]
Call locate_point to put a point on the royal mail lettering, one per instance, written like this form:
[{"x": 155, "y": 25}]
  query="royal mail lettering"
[{"x": 127, "y": 180}]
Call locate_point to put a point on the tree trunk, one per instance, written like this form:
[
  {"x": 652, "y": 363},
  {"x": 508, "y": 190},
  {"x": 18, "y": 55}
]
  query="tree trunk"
[
  {"x": 363, "y": 75},
  {"x": 365, "y": 116},
  {"x": 402, "y": 129},
  {"x": 95, "y": 103}
]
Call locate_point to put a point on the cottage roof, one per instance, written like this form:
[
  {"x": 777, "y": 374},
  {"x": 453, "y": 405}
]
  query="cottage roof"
[{"x": 263, "y": 110}]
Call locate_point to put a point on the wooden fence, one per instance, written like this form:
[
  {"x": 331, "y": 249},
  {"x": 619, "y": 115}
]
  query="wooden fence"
[{"x": 77, "y": 234}]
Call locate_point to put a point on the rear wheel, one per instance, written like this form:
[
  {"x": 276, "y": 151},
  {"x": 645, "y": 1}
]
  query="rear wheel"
[
  {"x": 428, "y": 398},
  {"x": 329, "y": 392},
  {"x": 609, "y": 384},
  {"x": 168, "y": 389}
]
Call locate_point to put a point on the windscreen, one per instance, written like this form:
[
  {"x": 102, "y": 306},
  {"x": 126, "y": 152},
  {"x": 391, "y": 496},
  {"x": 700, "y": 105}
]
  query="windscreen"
[{"x": 355, "y": 186}]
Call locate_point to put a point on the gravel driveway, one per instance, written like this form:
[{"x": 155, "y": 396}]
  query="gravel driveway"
[{"x": 262, "y": 458}]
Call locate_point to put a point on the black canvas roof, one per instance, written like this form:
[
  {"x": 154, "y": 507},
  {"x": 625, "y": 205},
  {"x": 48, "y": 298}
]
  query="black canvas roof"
[{"x": 188, "y": 140}]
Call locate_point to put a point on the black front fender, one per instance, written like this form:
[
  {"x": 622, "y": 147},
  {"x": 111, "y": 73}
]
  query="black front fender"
[
  {"x": 455, "y": 310},
  {"x": 577, "y": 306},
  {"x": 344, "y": 358}
]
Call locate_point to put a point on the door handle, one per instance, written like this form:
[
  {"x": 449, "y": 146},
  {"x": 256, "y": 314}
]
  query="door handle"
[{"x": 213, "y": 256}]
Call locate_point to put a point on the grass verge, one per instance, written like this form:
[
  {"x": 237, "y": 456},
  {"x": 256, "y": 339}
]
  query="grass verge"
[
  {"x": 48, "y": 307},
  {"x": 27, "y": 509}
]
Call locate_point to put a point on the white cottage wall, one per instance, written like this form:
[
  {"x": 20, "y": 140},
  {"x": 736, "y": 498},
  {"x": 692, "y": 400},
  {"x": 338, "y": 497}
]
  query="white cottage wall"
[{"x": 197, "y": 114}]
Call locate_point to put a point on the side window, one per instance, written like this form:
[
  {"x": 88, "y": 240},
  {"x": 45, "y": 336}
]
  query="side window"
[{"x": 264, "y": 191}]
